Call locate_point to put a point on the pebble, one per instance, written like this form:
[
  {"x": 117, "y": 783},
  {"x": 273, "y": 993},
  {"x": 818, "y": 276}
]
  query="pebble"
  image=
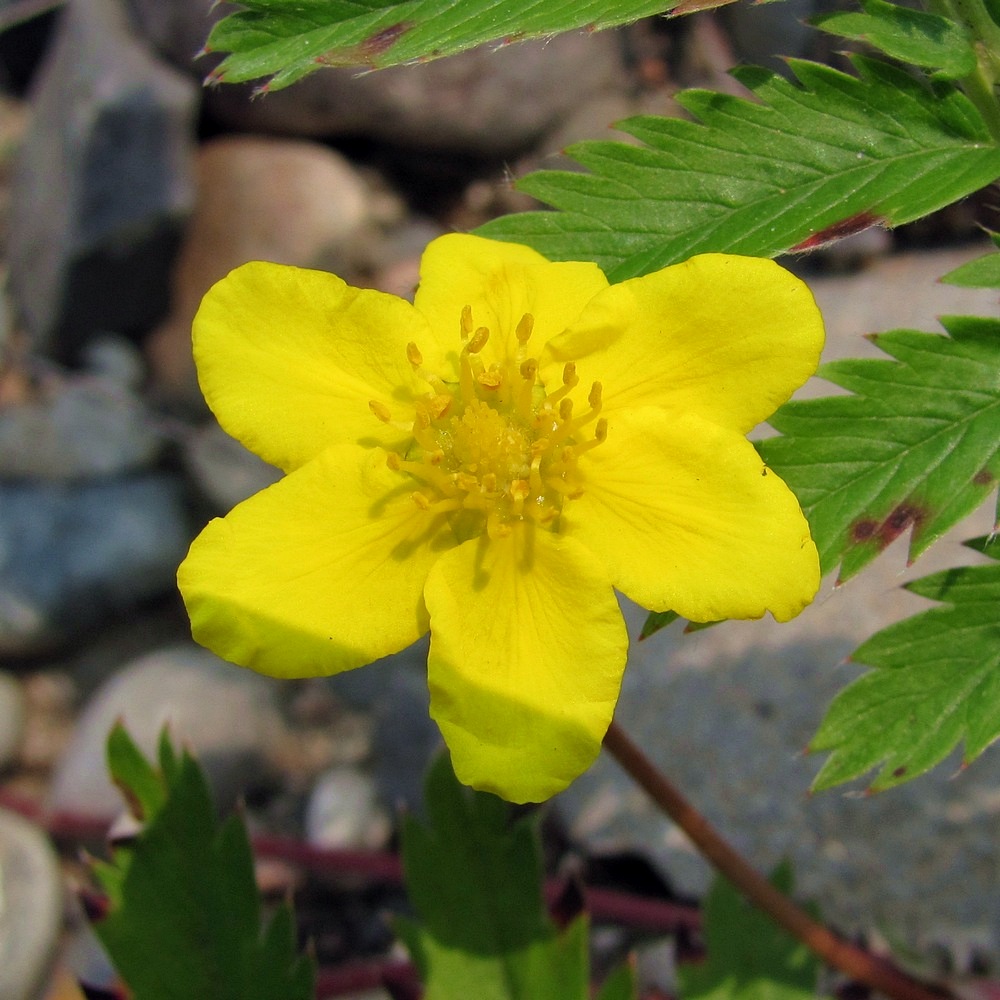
[
  {"x": 344, "y": 812},
  {"x": 30, "y": 908},
  {"x": 13, "y": 715},
  {"x": 73, "y": 553},
  {"x": 227, "y": 715},
  {"x": 225, "y": 472}
]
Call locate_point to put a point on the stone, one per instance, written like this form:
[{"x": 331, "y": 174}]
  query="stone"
[
  {"x": 344, "y": 812},
  {"x": 226, "y": 715},
  {"x": 225, "y": 471},
  {"x": 73, "y": 553},
  {"x": 279, "y": 200},
  {"x": 13, "y": 715},
  {"x": 492, "y": 101},
  {"x": 30, "y": 908},
  {"x": 102, "y": 185},
  {"x": 77, "y": 426}
]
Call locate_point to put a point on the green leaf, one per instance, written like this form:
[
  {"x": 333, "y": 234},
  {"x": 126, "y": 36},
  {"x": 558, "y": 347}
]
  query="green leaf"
[
  {"x": 983, "y": 272},
  {"x": 917, "y": 445},
  {"x": 285, "y": 41},
  {"x": 133, "y": 775},
  {"x": 936, "y": 682},
  {"x": 475, "y": 880},
  {"x": 797, "y": 167},
  {"x": 620, "y": 985},
  {"x": 911, "y": 36},
  {"x": 748, "y": 957},
  {"x": 184, "y": 913}
]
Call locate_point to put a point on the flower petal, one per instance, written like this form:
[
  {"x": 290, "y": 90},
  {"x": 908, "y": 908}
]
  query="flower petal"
[
  {"x": 527, "y": 651},
  {"x": 288, "y": 360},
  {"x": 320, "y": 573},
  {"x": 728, "y": 338},
  {"x": 687, "y": 518},
  {"x": 500, "y": 282}
]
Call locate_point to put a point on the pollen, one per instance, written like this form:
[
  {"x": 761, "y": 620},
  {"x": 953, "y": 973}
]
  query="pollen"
[{"x": 495, "y": 446}]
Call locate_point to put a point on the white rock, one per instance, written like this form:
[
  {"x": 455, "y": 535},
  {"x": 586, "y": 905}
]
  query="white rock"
[{"x": 344, "y": 812}]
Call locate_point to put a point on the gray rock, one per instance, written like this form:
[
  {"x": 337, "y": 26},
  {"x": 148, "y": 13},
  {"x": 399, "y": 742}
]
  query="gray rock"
[
  {"x": 344, "y": 812},
  {"x": 77, "y": 427},
  {"x": 73, "y": 553},
  {"x": 30, "y": 908},
  {"x": 13, "y": 712},
  {"x": 103, "y": 182},
  {"x": 225, "y": 714},
  {"x": 224, "y": 470},
  {"x": 462, "y": 103}
]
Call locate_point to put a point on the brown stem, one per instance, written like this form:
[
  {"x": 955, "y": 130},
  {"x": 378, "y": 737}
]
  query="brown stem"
[{"x": 855, "y": 962}]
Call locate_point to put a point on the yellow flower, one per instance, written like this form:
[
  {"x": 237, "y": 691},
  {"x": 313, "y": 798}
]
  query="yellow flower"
[{"x": 489, "y": 463}]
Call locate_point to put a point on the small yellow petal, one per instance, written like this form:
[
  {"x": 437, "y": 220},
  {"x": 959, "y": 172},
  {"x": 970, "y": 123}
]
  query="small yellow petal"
[
  {"x": 687, "y": 518},
  {"x": 289, "y": 360},
  {"x": 526, "y": 658},
  {"x": 322, "y": 572},
  {"x": 727, "y": 338},
  {"x": 501, "y": 283}
]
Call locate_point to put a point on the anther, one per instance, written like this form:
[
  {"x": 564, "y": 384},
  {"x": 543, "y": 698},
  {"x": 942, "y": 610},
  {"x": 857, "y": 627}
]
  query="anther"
[
  {"x": 570, "y": 377},
  {"x": 524, "y": 328},
  {"x": 595, "y": 396},
  {"x": 413, "y": 355},
  {"x": 421, "y": 501},
  {"x": 566, "y": 409},
  {"x": 393, "y": 461},
  {"x": 601, "y": 429},
  {"x": 380, "y": 410},
  {"x": 466, "y": 321},
  {"x": 491, "y": 379},
  {"x": 528, "y": 370},
  {"x": 478, "y": 340}
]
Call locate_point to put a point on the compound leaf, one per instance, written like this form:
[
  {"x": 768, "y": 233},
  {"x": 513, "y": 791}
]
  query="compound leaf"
[
  {"x": 801, "y": 165},
  {"x": 284, "y": 41},
  {"x": 936, "y": 682},
  {"x": 983, "y": 272},
  {"x": 912, "y": 36},
  {"x": 184, "y": 914},
  {"x": 748, "y": 957},
  {"x": 916, "y": 446}
]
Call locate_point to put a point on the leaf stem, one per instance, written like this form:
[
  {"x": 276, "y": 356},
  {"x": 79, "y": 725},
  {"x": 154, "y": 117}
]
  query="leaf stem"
[{"x": 853, "y": 961}]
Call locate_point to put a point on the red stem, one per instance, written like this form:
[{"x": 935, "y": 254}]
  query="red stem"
[{"x": 855, "y": 962}]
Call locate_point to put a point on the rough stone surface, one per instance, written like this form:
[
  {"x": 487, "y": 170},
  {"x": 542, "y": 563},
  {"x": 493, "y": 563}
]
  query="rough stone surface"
[
  {"x": 13, "y": 713},
  {"x": 77, "y": 427},
  {"x": 30, "y": 908},
  {"x": 344, "y": 812},
  {"x": 225, "y": 472},
  {"x": 227, "y": 715},
  {"x": 72, "y": 553},
  {"x": 728, "y": 712},
  {"x": 102, "y": 184},
  {"x": 280, "y": 200},
  {"x": 461, "y": 103}
]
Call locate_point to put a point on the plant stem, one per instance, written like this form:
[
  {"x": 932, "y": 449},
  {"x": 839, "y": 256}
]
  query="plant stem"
[{"x": 855, "y": 962}]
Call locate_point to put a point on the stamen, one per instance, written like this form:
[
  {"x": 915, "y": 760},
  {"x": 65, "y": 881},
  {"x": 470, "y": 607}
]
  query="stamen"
[
  {"x": 466, "y": 323},
  {"x": 478, "y": 341},
  {"x": 570, "y": 376},
  {"x": 566, "y": 409},
  {"x": 524, "y": 328},
  {"x": 594, "y": 398},
  {"x": 380, "y": 410},
  {"x": 413, "y": 355}
]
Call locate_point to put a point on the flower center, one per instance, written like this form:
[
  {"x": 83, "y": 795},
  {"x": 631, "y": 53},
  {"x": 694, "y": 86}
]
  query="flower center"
[{"x": 496, "y": 448}]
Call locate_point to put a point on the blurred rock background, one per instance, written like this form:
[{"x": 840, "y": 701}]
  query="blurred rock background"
[{"x": 126, "y": 190}]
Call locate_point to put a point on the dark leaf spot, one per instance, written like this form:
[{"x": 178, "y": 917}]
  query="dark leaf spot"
[
  {"x": 984, "y": 478},
  {"x": 899, "y": 772},
  {"x": 846, "y": 227},
  {"x": 863, "y": 530},
  {"x": 383, "y": 40},
  {"x": 901, "y": 517}
]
